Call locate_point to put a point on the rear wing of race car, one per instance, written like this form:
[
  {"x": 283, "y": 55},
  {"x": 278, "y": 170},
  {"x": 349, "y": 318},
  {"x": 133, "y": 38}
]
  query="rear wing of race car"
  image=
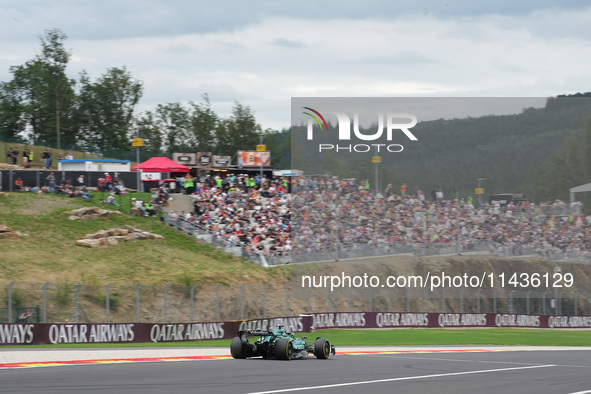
[{"x": 257, "y": 333}]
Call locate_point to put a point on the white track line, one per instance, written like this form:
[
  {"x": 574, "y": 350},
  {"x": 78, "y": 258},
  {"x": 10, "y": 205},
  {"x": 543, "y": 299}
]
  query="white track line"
[{"x": 439, "y": 375}]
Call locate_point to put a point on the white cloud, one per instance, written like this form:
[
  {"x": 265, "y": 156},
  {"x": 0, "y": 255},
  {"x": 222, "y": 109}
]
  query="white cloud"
[{"x": 262, "y": 61}]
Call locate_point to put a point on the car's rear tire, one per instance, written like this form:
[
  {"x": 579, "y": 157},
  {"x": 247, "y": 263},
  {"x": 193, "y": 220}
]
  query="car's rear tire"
[
  {"x": 283, "y": 349},
  {"x": 322, "y": 348},
  {"x": 236, "y": 348}
]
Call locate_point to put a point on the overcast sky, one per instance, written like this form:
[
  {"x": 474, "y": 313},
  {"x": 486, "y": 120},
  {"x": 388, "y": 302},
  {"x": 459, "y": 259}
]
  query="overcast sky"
[{"x": 261, "y": 53}]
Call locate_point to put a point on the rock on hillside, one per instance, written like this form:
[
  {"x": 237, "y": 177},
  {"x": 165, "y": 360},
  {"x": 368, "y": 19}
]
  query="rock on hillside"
[
  {"x": 91, "y": 213},
  {"x": 115, "y": 236},
  {"x": 7, "y": 232}
]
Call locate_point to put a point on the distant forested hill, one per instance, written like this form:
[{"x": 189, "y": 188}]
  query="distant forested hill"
[{"x": 541, "y": 152}]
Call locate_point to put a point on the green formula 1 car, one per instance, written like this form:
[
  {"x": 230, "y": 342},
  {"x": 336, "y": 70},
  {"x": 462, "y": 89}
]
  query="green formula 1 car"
[{"x": 279, "y": 345}]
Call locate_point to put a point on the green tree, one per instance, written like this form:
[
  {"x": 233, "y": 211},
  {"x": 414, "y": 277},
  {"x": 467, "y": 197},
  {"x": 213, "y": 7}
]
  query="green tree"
[
  {"x": 46, "y": 93},
  {"x": 109, "y": 105},
  {"x": 12, "y": 120},
  {"x": 243, "y": 133},
  {"x": 173, "y": 120},
  {"x": 203, "y": 125},
  {"x": 567, "y": 171},
  {"x": 148, "y": 129}
]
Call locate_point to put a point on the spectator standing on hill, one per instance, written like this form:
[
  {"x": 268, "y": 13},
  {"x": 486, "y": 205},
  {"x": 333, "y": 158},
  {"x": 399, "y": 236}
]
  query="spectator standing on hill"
[
  {"x": 189, "y": 184},
  {"x": 26, "y": 154},
  {"x": 14, "y": 156},
  {"x": 46, "y": 156},
  {"x": 9, "y": 156},
  {"x": 51, "y": 180}
]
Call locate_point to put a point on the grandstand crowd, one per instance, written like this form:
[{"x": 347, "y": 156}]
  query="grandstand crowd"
[{"x": 302, "y": 215}]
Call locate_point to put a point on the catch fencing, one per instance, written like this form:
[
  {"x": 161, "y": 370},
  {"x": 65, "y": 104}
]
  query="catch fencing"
[{"x": 85, "y": 303}]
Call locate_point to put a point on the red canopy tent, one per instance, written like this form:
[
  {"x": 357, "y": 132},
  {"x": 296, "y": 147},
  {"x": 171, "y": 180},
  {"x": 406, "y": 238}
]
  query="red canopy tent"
[{"x": 160, "y": 164}]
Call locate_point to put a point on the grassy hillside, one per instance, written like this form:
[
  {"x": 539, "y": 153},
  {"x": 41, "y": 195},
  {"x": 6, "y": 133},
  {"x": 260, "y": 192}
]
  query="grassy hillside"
[
  {"x": 37, "y": 154},
  {"x": 49, "y": 252}
]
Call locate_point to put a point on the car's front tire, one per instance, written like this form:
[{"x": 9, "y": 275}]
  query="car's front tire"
[{"x": 322, "y": 348}]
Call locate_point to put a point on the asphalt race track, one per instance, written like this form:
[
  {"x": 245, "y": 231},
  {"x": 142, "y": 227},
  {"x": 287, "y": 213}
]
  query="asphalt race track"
[{"x": 369, "y": 370}]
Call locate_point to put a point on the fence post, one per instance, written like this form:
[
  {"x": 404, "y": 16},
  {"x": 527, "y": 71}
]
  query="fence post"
[
  {"x": 389, "y": 290},
  {"x": 137, "y": 303},
  {"x": 44, "y": 313},
  {"x": 0, "y": 181},
  {"x": 217, "y": 302},
  {"x": 265, "y": 300},
  {"x": 528, "y": 302},
  {"x": 287, "y": 299},
  {"x": 165, "y": 307},
  {"x": 193, "y": 302},
  {"x": 495, "y": 300},
  {"x": 108, "y": 302},
  {"x": 242, "y": 301},
  {"x": 10, "y": 300},
  {"x": 349, "y": 299},
  {"x": 76, "y": 305},
  {"x": 11, "y": 180}
]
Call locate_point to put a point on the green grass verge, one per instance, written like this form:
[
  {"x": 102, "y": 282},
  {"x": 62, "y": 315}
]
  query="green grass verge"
[{"x": 400, "y": 337}]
